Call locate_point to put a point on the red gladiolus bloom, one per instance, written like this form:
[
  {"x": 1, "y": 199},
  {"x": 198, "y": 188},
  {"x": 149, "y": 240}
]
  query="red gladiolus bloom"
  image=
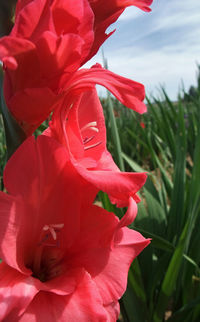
[
  {"x": 63, "y": 260},
  {"x": 81, "y": 129},
  {"x": 142, "y": 125},
  {"x": 49, "y": 39},
  {"x": 49, "y": 42}
]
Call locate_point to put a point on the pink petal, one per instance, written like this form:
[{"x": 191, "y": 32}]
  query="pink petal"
[
  {"x": 58, "y": 53},
  {"x": 90, "y": 110},
  {"x": 128, "y": 92},
  {"x": 106, "y": 162},
  {"x": 16, "y": 293},
  {"x": 36, "y": 172},
  {"x": 85, "y": 111},
  {"x": 80, "y": 20},
  {"x": 130, "y": 214},
  {"x": 11, "y": 46},
  {"x": 83, "y": 305},
  {"x": 10, "y": 211},
  {"x": 31, "y": 19},
  {"x": 42, "y": 102},
  {"x": 113, "y": 310},
  {"x": 66, "y": 283},
  {"x": 118, "y": 185},
  {"x": 10, "y": 62},
  {"x": 22, "y": 74},
  {"x": 110, "y": 268},
  {"x": 22, "y": 174},
  {"x": 112, "y": 281}
]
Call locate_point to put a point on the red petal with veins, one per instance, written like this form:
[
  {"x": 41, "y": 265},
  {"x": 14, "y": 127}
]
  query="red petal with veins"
[
  {"x": 50, "y": 237},
  {"x": 128, "y": 92},
  {"x": 84, "y": 137}
]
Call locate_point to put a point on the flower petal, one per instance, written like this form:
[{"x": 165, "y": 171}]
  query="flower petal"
[
  {"x": 80, "y": 18},
  {"x": 113, "y": 310},
  {"x": 112, "y": 281},
  {"x": 16, "y": 293},
  {"x": 39, "y": 174},
  {"x": 128, "y": 92},
  {"x": 58, "y": 53},
  {"x": 118, "y": 185},
  {"x": 31, "y": 118},
  {"x": 31, "y": 19},
  {"x": 11, "y": 46},
  {"x": 101, "y": 234},
  {"x": 83, "y": 305},
  {"x": 10, "y": 211}
]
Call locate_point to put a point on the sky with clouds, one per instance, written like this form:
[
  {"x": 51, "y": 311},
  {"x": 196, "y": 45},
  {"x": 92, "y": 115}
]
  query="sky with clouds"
[{"x": 157, "y": 48}]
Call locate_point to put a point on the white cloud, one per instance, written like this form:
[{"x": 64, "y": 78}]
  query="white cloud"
[{"x": 177, "y": 14}]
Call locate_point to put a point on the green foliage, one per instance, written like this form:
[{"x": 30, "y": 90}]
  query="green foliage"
[{"x": 165, "y": 280}]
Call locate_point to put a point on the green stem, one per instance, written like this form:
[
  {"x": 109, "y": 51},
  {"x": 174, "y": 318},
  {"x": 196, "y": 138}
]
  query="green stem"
[{"x": 115, "y": 134}]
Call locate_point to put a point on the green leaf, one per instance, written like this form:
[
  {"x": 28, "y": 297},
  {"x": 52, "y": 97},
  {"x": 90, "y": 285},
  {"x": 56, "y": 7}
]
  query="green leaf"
[
  {"x": 14, "y": 133},
  {"x": 157, "y": 241},
  {"x": 134, "y": 166},
  {"x": 115, "y": 134},
  {"x": 169, "y": 282},
  {"x": 132, "y": 308},
  {"x": 185, "y": 313}
]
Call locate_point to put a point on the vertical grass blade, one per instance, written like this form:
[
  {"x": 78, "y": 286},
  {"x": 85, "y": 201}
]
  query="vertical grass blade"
[
  {"x": 115, "y": 134},
  {"x": 171, "y": 275}
]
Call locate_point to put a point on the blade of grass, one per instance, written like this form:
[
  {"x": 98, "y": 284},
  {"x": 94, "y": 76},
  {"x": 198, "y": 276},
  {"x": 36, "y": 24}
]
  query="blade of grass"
[
  {"x": 176, "y": 213},
  {"x": 134, "y": 166},
  {"x": 169, "y": 282},
  {"x": 115, "y": 134}
]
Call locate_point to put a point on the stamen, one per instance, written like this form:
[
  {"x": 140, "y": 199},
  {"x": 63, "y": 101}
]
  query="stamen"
[
  {"x": 51, "y": 228},
  {"x": 87, "y": 140},
  {"x": 91, "y": 126},
  {"x": 91, "y": 146},
  {"x": 94, "y": 129},
  {"x": 94, "y": 123}
]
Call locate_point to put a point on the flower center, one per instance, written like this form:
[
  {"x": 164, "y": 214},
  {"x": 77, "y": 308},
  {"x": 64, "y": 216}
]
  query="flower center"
[
  {"x": 93, "y": 127},
  {"x": 48, "y": 256}
]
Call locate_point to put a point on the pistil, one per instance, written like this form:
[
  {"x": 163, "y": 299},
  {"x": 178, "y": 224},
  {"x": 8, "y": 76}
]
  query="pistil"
[{"x": 90, "y": 126}]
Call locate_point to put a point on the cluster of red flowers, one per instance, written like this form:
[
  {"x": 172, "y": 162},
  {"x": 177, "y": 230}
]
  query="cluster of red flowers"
[{"x": 64, "y": 259}]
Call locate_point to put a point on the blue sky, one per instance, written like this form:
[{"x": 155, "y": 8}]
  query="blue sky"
[{"x": 160, "y": 47}]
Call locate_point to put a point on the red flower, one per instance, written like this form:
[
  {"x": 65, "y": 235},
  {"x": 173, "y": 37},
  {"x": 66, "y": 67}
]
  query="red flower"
[
  {"x": 49, "y": 39},
  {"x": 63, "y": 260},
  {"x": 142, "y": 125},
  {"x": 84, "y": 136},
  {"x": 49, "y": 42}
]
